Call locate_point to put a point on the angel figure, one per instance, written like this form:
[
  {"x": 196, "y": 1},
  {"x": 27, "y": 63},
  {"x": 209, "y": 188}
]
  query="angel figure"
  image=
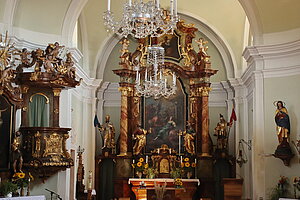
[
  {"x": 139, "y": 136},
  {"x": 189, "y": 138}
]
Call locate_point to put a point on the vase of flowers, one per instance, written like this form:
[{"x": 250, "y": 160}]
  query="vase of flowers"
[
  {"x": 178, "y": 183},
  {"x": 22, "y": 180},
  {"x": 281, "y": 189},
  {"x": 140, "y": 166},
  {"x": 188, "y": 167}
]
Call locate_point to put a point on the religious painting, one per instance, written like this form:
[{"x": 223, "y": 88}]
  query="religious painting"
[
  {"x": 165, "y": 118},
  {"x": 171, "y": 44},
  {"x": 6, "y": 127}
]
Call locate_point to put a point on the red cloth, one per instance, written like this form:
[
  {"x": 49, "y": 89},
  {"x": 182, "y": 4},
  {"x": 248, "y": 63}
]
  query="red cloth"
[{"x": 233, "y": 116}]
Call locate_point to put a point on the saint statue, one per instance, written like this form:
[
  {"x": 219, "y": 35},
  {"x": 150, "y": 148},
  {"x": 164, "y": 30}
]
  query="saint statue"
[
  {"x": 17, "y": 159},
  {"x": 282, "y": 121},
  {"x": 108, "y": 132},
  {"x": 222, "y": 133},
  {"x": 139, "y": 136},
  {"x": 189, "y": 138}
]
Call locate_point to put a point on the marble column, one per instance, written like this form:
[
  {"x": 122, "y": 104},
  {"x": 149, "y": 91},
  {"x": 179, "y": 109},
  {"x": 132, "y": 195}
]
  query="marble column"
[{"x": 126, "y": 96}]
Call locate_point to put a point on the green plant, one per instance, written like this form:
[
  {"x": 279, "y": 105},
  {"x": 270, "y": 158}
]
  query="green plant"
[
  {"x": 7, "y": 187},
  {"x": 176, "y": 173},
  {"x": 150, "y": 172},
  {"x": 281, "y": 189}
]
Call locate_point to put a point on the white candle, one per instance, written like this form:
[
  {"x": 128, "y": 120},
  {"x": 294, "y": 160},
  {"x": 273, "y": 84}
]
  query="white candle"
[
  {"x": 172, "y": 7},
  {"x": 133, "y": 161},
  {"x": 146, "y": 159},
  {"x": 129, "y": 2},
  {"x": 108, "y": 5},
  {"x": 137, "y": 77},
  {"x": 146, "y": 74},
  {"x": 196, "y": 160},
  {"x": 170, "y": 151},
  {"x": 157, "y": 3},
  {"x": 180, "y": 159},
  {"x": 179, "y": 143},
  {"x": 174, "y": 79},
  {"x": 175, "y": 7},
  {"x": 158, "y": 151}
]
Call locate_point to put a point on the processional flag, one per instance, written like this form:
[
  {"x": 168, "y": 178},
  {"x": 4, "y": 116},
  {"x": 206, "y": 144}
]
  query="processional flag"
[
  {"x": 96, "y": 122},
  {"x": 233, "y": 116}
]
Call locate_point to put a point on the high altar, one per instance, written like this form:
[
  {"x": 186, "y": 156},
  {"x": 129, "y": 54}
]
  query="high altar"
[{"x": 166, "y": 123}]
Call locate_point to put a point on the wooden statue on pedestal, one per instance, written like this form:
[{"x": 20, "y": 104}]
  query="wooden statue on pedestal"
[{"x": 283, "y": 151}]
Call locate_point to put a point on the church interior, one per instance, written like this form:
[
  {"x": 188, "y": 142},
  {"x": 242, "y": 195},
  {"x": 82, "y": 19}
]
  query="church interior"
[{"x": 150, "y": 99}]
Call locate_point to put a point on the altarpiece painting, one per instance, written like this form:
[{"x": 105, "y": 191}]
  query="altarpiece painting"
[{"x": 166, "y": 118}]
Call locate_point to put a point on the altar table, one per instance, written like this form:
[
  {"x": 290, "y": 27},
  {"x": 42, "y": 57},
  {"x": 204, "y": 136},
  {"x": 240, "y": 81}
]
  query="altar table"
[
  {"x": 26, "y": 198},
  {"x": 187, "y": 191}
]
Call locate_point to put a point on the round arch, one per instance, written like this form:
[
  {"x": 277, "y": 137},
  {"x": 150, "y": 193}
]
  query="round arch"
[{"x": 207, "y": 29}]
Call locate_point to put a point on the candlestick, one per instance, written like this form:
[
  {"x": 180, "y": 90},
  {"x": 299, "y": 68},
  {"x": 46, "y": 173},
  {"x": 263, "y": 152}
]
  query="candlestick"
[
  {"x": 175, "y": 7},
  {"x": 90, "y": 180},
  {"x": 179, "y": 143},
  {"x": 108, "y": 5},
  {"x": 172, "y": 7}
]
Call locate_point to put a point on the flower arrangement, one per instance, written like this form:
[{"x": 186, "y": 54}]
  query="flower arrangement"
[
  {"x": 281, "y": 189},
  {"x": 140, "y": 166},
  {"x": 187, "y": 165},
  {"x": 176, "y": 172},
  {"x": 178, "y": 182},
  {"x": 22, "y": 179},
  {"x": 150, "y": 172},
  {"x": 296, "y": 184}
]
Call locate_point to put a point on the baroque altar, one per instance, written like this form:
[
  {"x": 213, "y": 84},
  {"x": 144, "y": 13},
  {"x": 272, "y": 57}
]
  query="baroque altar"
[
  {"x": 167, "y": 135},
  {"x": 146, "y": 188}
]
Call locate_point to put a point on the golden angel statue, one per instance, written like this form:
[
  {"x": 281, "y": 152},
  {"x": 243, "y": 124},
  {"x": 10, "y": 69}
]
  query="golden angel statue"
[
  {"x": 189, "y": 138},
  {"x": 139, "y": 136}
]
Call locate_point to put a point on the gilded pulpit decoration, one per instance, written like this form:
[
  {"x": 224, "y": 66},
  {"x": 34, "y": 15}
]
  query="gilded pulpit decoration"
[
  {"x": 53, "y": 146},
  {"x": 37, "y": 149}
]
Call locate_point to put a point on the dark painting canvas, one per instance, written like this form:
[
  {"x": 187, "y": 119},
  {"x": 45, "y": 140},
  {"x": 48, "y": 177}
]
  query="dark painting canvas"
[{"x": 165, "y": 117}]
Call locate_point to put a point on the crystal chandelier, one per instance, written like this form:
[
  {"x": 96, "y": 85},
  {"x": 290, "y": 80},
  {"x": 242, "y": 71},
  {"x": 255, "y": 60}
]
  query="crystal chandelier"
[
  {"x": 155, "y": 83},
  {"x": 141, "y": 19}
]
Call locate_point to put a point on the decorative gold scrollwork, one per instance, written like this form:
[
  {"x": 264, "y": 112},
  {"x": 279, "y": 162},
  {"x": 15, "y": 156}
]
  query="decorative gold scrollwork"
[{"x": 54, "y": 147}]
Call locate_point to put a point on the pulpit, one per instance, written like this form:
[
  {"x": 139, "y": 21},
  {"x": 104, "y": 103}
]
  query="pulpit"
[{"x": 149, "y": 188}]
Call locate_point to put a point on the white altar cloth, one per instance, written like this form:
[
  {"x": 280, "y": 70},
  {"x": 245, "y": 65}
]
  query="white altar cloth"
[
  {"x": 163, "y": 180},
  {"x": 26, "y": 198}
]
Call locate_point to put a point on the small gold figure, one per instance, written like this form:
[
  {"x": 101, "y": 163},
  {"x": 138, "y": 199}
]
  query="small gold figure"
[
  {"x": 17, "y": 159},
  {"x": 189, "y": 139},
  {"x": 139, "y": 136},
  {"x": 108, "y": 132}
]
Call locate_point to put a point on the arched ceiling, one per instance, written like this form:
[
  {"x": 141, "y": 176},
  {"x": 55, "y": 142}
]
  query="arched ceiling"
[
  {"x": 226, "y": 17},
  {"x": 279, "y": 15}
]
